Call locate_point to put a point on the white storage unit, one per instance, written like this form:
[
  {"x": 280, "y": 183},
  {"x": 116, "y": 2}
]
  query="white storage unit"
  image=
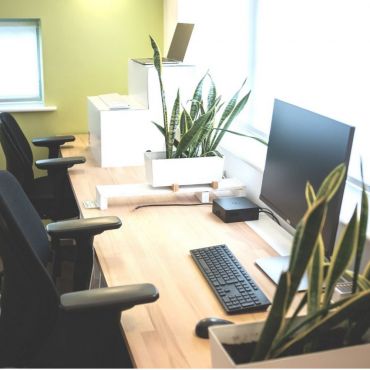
[{"x": 119, "y": 137}]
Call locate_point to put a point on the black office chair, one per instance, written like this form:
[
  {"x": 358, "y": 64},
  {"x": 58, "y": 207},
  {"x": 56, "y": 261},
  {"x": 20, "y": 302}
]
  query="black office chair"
[
  {"x": 51, "y": 195},
  {"x": 39, "y": 328}
]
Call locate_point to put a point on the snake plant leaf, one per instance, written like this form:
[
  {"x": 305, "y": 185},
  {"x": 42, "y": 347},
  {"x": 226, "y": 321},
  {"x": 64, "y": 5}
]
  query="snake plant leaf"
[
  {"x": 302, "y": 303},
  {"x": 362, "y": 280},
  {"x": 312, "y": 224},
  {"x": 230, "y": 105},
  {"x": 343, "y": 251},
  {"x": 332, "y": 182},
  {"x": 160, "y": 128},
  {"x": 213, "y": 153},
  {"x": 187, "y": 120},
  {"x": 292, "y": 327},
  {"x": 238, "y": 108},
  {"x": 197, "y": 98},
  {"x": 243, "y": 135},
  {"x": 211, "y": 94},
  {"x": 296, "y": 241},
  {"x": 315, "y": 277},
  {"x": 309, "y": 194},
  {"x": 158, "y": 66},
  {"x": 362, "y": 233},
  {"x": 183, "y": 126},
  {"x": 190, "y": 138},
  {"x": 367, "y": 271},
  {"x": 354, "y": 308},
  {"x": 202, "y": 135},
  {"x": 363, "y": 283},
  {"x": 157, "y": 56},
  {"x": 274, "y": 320},
  {"x": 175, "y": 120}
]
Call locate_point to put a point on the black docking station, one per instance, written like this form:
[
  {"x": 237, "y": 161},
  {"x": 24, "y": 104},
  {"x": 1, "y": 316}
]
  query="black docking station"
[{"x": 235, "y": 209}]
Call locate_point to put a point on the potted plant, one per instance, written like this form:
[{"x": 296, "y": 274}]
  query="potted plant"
[
  {"x": 192, "y": 134},
  {"x": 293, "y": 340}
]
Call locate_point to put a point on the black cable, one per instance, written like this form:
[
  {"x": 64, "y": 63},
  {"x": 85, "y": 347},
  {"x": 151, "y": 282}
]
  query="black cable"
[
  {"x": 267, "y": 211},
  {"x": 171, "y": 205}
]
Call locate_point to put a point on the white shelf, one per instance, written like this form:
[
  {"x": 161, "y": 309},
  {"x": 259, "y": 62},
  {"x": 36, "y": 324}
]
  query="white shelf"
[{"x": 226, "y": 187}]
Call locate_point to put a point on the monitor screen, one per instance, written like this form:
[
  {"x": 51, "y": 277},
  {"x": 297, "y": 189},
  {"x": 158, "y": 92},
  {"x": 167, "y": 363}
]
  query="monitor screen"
[{"x": 303, "y": 146}]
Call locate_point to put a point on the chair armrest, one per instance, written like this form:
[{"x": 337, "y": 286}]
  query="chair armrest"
[
  {"x": 53, "y": 143},
  {"x": 116, "y": 298},
  {"x": 58, "y": 163},
  {"x": 82, "y": 227},
  {"x": 52, "y": 140}
]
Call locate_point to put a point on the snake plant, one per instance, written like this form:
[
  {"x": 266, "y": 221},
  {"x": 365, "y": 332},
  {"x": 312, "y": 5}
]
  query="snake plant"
[
  {"x": 349, "y": 318},
  {"x": 198, "y": 131}
]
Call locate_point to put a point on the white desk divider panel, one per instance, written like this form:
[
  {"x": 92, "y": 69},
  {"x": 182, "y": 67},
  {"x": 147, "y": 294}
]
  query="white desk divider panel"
[
  {"x": 119, "y": 137},
  {"x": 104, "y": 193}
]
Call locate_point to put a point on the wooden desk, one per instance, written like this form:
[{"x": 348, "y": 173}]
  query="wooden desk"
[{"x": 153, "y": 246}]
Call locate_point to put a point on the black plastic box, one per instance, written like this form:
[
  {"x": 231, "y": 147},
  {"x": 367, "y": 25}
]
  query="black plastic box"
[{"x": 235, "y": 209}]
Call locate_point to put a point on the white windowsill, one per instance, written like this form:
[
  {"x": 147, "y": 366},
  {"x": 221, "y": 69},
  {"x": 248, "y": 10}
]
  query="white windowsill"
[{"x": 27, "y": 108}]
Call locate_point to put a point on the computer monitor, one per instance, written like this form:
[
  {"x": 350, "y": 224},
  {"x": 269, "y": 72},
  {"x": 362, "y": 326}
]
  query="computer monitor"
[{"x": 303, "y": 146}]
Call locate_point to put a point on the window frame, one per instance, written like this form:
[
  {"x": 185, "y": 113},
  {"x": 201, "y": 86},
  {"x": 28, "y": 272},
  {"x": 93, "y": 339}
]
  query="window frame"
[{"x": 39, "y": 99}]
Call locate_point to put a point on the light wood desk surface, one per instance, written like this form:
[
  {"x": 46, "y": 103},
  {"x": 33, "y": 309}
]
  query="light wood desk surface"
[{"x": 153, "y": 246}]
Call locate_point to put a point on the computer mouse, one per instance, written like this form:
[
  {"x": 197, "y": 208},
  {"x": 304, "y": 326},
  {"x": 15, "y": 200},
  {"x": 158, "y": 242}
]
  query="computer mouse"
[{"x": 201, "y": 329}]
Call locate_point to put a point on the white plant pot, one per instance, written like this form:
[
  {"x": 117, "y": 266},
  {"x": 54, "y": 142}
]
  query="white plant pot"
[
  {"x": 182, "y": 171},
  {"x": 347, "y": 357}
]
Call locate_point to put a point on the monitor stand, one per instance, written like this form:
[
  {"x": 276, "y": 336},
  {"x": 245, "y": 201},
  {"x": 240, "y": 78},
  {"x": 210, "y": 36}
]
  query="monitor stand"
[
  {"x": 274, "y": 266},
  {"x": 281, "y": 241}
]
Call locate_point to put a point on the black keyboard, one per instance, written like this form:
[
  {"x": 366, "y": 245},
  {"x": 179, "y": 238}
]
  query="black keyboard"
[{"x": 232, "y": 285}]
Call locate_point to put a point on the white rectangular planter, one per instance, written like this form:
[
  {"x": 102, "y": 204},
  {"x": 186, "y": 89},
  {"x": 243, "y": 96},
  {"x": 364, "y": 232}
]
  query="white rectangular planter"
[
  {"x": 347, "y": 357},
  {"x": 182, "y": 171}
]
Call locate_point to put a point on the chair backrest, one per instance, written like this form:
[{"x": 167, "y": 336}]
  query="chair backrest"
[
  {"x": 18, "y": 162},
  {"x": 29, "y": 300},
  {"x": 17, "y": 135}
]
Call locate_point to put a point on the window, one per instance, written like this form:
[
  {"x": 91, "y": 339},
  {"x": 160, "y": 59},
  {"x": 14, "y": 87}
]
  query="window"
[
  {"x": 20, "y": 62},
  {"x": 315, "y": 54}
]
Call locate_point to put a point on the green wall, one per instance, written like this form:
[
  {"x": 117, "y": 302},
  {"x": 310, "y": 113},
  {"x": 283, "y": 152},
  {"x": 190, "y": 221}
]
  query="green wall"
[{"x": 86, "y": 45}]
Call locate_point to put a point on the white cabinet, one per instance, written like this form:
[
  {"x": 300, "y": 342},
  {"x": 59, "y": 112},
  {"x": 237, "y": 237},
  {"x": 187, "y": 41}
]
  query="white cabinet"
[{"x": 120, "y": 137}]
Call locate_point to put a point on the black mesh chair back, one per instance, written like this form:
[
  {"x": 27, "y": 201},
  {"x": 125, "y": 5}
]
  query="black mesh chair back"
[
  {"x": 39, "y": 328},
  {"x": 29, "y": 300},
  {"x": 51, "y": 195},
  {"x": 16, "y": 161},
  {"x": 17, "y": 135}
]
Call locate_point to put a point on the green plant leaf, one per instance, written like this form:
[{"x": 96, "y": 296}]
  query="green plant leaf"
[
  {"x": 355, "y": 308},
  {"x": 343, "y": 251},
  {"x": 230, "y": 105},
  {"x": 158, "y": 66},
  {"x": 274, "y": 320},
  {"x": 332, "y": 182},
  {"x": 160, "y": 128},
  {"x": 315, "y": 277},
  {"x": 293, "y": 327},
  {"x": 362, "y": 233},
  {"x": 175, "y": 120},
  {"x": 310, "y": 194},
  {"x": 191, "y": 138},
  {"x": 238, "y": 108},
  {"x": 367, "y": 272},
  {"x": 197, "y": 98},
  {"x": 303, "y": 246},
  {"x": 363, "y": 283},
  {"x": 243, "y": 135},
  {"x": 211, "y": 94}
]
